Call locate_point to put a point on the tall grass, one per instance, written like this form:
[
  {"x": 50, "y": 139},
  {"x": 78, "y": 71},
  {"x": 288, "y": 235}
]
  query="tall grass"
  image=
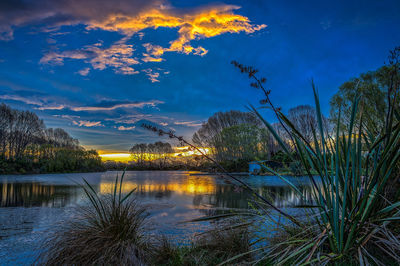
[
  {"x": 352, "y": 220},
  {"x": 109, "y": 231},
  {"x": 209, "y": 248}
]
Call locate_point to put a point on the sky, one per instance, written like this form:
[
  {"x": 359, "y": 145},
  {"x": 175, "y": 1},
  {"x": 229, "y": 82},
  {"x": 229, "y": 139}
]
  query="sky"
[{"x": 100, "y": 68}]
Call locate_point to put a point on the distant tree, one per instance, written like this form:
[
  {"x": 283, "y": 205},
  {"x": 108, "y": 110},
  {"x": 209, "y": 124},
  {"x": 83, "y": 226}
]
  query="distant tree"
[
  {"x": 304, "y": 118},
  {"x": 26, "y": 145},
  {"x": 6, "y": 119},
  {"x": 162, "y": 151},
  {"x": 217, "y": 122},
  {"x": 158, "y": 152},
  {"x": 60, "y": 138},
  {"x": 139, "y": 153},
  {"x": 241, "y": 142},
  {"x": 26, "y": 128},
  {"x": 373, "y": 88}
]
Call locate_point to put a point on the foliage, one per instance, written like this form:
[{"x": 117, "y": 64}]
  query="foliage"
[
  {"x": 220, "y": 120},
  {"x": 234, "y": 135},
  {"x": 351, "y": 221},
  {"x": 110, "y": 231},
  {"x": 241, "y": 142},
  {"x": 372, "y": 87}
]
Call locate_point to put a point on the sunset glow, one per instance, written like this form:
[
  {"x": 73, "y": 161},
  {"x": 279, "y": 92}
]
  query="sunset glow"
[
  {"x": 184, "y": 151},
  {"x": 117, "y": 157}
]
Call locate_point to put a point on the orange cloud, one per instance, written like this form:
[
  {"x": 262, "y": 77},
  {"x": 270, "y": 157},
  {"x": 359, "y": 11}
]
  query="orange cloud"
[
  {"x": 209, "y": 22},
  {"x": 200, "y": 23}
]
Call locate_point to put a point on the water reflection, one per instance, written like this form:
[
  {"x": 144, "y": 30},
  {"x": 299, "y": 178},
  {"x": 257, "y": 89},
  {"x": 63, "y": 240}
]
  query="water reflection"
[
  {"x": 36, "y": 195},
  {"x": 188, "y": 185},
  {"x": 199, "y": 190}
]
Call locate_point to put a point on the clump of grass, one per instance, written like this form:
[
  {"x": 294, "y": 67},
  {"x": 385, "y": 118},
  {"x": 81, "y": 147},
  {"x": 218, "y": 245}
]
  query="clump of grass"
[
  {"x": 210, "y": 248},
  {"x": 109, "y": 231}
]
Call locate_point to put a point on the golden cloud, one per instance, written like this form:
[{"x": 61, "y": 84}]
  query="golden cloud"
[
  {"x": 201, "y": 23},
  {"x": 209, "y": 22}
]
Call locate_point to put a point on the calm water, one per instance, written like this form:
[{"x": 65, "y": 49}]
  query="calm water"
[{"x": 33, "y": 206}]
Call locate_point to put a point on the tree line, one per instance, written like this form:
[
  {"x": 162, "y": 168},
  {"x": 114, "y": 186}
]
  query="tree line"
[
  {"x": 237, "y": 137},
  {"x": 26, "y": 145},
  {"x": 156, "y": 153},
  {"x": 159, "y": 156}
]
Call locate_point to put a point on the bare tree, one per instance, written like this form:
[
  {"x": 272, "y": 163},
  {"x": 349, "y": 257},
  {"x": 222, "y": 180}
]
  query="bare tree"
[
  {"x": 304, "y": 118},
  {"x": 217, "y": 122}
]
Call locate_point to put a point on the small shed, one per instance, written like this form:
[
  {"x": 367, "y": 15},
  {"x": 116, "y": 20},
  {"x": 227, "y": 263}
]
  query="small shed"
[{"x": 254, "y": 168}]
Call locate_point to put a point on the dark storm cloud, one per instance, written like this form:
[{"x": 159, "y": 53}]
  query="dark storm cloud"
[{"x": 64, "y": 12}]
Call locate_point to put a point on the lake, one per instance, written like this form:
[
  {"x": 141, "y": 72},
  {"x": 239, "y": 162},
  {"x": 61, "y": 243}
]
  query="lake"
[{"x": 33, "y": 206}]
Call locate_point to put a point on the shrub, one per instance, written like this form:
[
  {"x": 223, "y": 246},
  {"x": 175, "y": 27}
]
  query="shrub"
[{"x": 109, "y": 231}]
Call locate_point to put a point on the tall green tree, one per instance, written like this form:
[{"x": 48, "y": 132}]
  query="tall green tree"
[
  {"x": 372, "y": 87},
  {"x": 241, "y": 142}
]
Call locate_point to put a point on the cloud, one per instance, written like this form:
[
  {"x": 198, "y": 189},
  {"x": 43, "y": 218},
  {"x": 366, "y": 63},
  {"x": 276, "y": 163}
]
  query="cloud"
[
  {"x": 111, "y": 107},
  {"x": 70, "y": 117},
  {"x": 50, "y": 107},
  {"x": 86, "y": 123},
  {"x": 54, "y": 14},
  {"x": 84, "y": 72},
  {"x": 188, "y": 123},
  {"x": 147, "y": 58},
  {"x": 205, "y": 22},
  {"x": 122, "y": 128},
  {"x": 41, "y": 104},
  {"x": 127, "y": 17},
  {"x": 118, "y": 56},
  {"x": 21, "y": 99},
  {"x": 153, "y": 76},
  {"x": 105, "y": 106}
]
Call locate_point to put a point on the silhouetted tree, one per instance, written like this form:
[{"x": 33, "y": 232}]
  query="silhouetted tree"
[{"x": 26, "y": 145}]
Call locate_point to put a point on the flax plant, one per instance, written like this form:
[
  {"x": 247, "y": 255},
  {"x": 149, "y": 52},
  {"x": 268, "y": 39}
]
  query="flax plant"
[{"x": 352, "y": 221}]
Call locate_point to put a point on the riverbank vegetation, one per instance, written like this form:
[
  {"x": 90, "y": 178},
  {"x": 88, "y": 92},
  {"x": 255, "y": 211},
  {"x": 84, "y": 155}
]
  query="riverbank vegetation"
[
  {"x": 27, "y": 146},
  {"x": 355, "y": 217}
]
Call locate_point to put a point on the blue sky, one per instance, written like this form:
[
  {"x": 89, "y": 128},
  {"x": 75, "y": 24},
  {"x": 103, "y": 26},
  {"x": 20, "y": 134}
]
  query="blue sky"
[{"x": 98, "y": 68}]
